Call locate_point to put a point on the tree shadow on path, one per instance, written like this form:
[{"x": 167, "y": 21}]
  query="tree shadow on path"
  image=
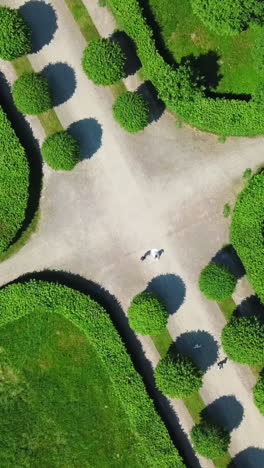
[
  {"x": 42, "y": 20},
  {"x": 170, "y": 288},
  {"x": 226, "y": 411},
  {"x": 133, "y": 63},
  {"x": 228, "y": 256},
  {"x": 62, "y": 81},
  {"x": 88, "y": 132},
  {"x": 156, "y": 106},
  {"x": 251, "y": 457},
  {"x": 205, "y": 355}
]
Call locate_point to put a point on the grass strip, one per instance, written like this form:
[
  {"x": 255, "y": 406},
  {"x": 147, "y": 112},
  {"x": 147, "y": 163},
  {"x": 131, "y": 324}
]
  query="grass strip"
[
  {"x": 195, "y": 405},
  {"x": 22, "y": 65},
  {"x": 162, "y": 342},
  {"x": 89, "y": 32},
  {"x": 227, "y": 307},
  {"x": 223, "y": 462}
]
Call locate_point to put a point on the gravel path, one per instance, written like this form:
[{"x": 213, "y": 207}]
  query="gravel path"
[{"x": 163, "y": 188}]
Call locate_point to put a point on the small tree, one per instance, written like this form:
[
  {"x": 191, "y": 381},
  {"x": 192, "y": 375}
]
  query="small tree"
[
  {"x": 216, "y": 282},
  {"x": 177, "y": 376},
  {"x": 104, "y": 61},
  {"x": 32, "y": 94},
  {"x": 15, "y": 34},
  {"x": 131, "y": 112},
  {"x": 147, "y": 314},
  {"x": 209, "y": 440},
  {"x": 243, "y": 340},
  {"x": 258, "y": 392},
  {"x": 61, "y": 151}
]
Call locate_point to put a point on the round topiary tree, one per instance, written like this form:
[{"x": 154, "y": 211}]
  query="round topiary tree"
[
  {"x": 209, "y": 440},
  {"x": 104, "y": 61},
  {"x": 258, "y": 392},
  {"x": 15, "y": 34},
  {"x": 131, "y": 111},
  {"x": 32, "y": 94},
  {"x": 61, "y": 151},
  {"x": 243, "y": 340},
  {"x": 147, "y": 314},
  {"x": 177, "y": 376},
  {"x": 216, "y": 282}
]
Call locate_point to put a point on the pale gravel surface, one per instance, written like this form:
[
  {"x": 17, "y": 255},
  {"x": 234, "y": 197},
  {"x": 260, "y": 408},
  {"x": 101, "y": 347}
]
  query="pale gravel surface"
[{"x": 163, "y": 188}]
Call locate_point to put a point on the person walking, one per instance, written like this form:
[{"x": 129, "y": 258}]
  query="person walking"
[
  {"x": 221, "y": 363},
  {"x": 155, "y": 253}
]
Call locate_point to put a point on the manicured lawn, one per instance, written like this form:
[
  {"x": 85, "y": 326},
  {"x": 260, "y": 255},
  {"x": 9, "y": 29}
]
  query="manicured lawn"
[
  {"x": 184, "y": 34},
  {"x": 57, "y": 406},
  {"x": 227, "y": 307}
]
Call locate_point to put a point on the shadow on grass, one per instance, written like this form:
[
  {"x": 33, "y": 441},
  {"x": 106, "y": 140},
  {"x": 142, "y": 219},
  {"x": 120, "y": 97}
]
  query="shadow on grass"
[
  {"x": 156, "y": 106},
  {"x": 62, "y": 80},
  {"x": 205, "y": 69},
  {"x": 228, "y": 256},
  {"x": 133, "y": 63},
  {"x": 28, "y": 141},
  {"x": 251, "y": 457},
  {"x": 88, "y": 132},
  {"x": 133, "y": 346},
  {"x": 249, "y": 307},
  {"x": 200, "y": 346},
  {"x": 226, "y": 411},
  {"x": 42, "y": 20},
  {"x": 170, "y": 288}
]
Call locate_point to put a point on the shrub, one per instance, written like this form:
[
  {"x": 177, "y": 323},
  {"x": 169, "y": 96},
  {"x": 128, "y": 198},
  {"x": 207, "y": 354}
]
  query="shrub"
[
  {"x": 61, "y": 151},
  {"x": 14, "y": 183},
  {"x": 18, "y": 300},
  {"x": 243, "y": 340},
  {"x": 32, "y": 94},
  {"x": 15, "y": 35},
  {"x": 258, "y": 392},
  {"x": 103, "y": 61},
  {"x": 226, "y": 210},
  {"x": 131, "y": 111},
  {"x": 209, "y": 440},
  {"x": 247, "y": 173},
  {"x": 177, "y": 376},
  {"x": 216, "y": 282},
  {"x": 247, "y": 231},
  {"x": 147, "y": 314}
]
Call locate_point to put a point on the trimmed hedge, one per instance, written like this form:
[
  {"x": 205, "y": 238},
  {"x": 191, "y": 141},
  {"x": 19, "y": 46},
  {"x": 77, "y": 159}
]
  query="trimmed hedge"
[
  {"x": 258, "y": 392},
  {"x": 175, "y": 86},
  {"x": 104, "y": 61},
  {"x": 32, "y": 94},
  {"x": 210, "y": 440},
  {"x": 216, "y": 282},
  {"x": 14, "y": 183},
  {"x": 243, "y": 340},
  {"x": 131, "y": 111},
  {"x": 61, "y": 151},
  {"x": 18, "y": 300},
  {"x": 147, "y": 314},
  {"x": 177, "y": 376},
  {"x": 247, "y": 231},
  {"x": 15, "y": 34}
]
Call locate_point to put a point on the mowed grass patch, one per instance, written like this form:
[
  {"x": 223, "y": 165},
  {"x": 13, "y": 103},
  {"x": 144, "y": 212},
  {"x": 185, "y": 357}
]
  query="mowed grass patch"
[
  {"x": 57, "y": 404},
  {"x": 184, "y": 34}
]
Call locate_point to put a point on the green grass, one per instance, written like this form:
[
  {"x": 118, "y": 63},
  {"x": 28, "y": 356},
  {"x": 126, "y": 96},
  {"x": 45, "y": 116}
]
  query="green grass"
[
  {"x": 22, "y": 65},
  {"x": 227, "y": 307},
  {"x": 162, "y": 342},
  {"x": 184, "y": 34},
  {"x": 223, "y": 462},
  {"x": 195, "y": 405},
  {"x": 57, "y": 404}
]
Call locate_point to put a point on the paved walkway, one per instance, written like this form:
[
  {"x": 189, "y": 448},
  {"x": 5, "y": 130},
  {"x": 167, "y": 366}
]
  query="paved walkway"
[{"x": 163, "y": 188}]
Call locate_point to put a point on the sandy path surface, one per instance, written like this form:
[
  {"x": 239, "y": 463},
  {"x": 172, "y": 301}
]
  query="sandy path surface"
[{"x": 163, "y": 188}]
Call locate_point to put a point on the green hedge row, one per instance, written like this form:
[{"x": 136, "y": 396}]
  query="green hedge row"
[
  {"x": 175, "y": 87},
  {"x": 18, "y": 300},
  {"x": 14, "y": 183},
  {"x": 247, "y": 231}
]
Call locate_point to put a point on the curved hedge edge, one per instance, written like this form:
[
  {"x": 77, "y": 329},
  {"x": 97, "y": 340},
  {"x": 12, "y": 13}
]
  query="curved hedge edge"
[
  {"x": 222, "y": 116},
  {"x": 14, "y": 183},
  {"x": 20, "y": 299},
  {"x": 246, "y": 231}
]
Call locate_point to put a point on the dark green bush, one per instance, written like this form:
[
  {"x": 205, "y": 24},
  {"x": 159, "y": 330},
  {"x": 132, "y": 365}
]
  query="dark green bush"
[
  {"x": 14, "y": 183},
  {"x": 216, "y": 282},
  {"x": 176, "y": 88},
  {"x": 258, "y": 392},
  {"x": 15, "y": 34},
  {"x": 247, "y": 231},
  {"x": 243, "y": 340},
  {"x": 226, "y": 210},
  {"x": 18, "y": 300},
  {"x": 32, "y": 94},
  {"x": 61, "y": 151},
  {"x": 147, "y": 314},
  {"x": 177, "y": 376},
  {"x": 209, "y": 440},
  {"x": 103, "y": 62},
  {"x": 131, "y": 111},
  {"x": 247, "y": 173}
]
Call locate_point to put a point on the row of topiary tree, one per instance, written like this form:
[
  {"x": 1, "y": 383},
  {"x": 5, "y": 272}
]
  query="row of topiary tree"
[{"x": 32, "y": 93}]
